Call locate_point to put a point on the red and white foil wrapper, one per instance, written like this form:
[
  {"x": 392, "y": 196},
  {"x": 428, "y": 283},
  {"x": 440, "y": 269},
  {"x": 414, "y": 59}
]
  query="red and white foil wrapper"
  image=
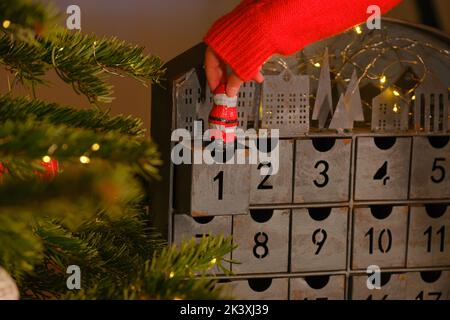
[{"x": 223, "y": 119}]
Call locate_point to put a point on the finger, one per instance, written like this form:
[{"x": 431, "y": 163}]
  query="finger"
[
  {"x": 214, "y": 69},
  {"x": 224, "y": 71},
  {"x": 233, "y": 85},
  {"x": 214, "y": 77},
  {"x": 259, "y": 77}
]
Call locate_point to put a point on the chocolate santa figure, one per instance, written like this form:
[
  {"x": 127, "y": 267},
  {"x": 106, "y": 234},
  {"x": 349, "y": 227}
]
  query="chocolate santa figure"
[{"x": 223, "y": 118}]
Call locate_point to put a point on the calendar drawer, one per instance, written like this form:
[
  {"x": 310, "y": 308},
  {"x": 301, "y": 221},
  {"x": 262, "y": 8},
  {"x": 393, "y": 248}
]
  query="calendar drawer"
[
  {"x": 393, "y": 287},
  {"x": 277, "y": 188},
  {"x": 428, "y": 285},
  {"x": 379, "y": 236},
  {"x": 382, "y": 168},
  {"x": 430, "y": 171},
  {"x": 317, "y": 288},
  {"x": 322, "y": 170},
  {"x": 262, "y": 238},
  {"x": 429, "y": 242},
  {"x": 319, "y": 239},
  {"x": 186, "y": 228},
  {"x": 212, "y": 189},
  {"x": 257, "y": 289}
]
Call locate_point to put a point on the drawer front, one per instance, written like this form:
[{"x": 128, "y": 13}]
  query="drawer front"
[
  {"x": 430, "y": 170},
  {"x": 319, "y": 239},
  {"x": 379, "y": 236},
  {"x": 262, "y": 238},
  {"x": 382, "y": 168},
  {"x": 317, "y": 288},
  {"x": 322, "y": 170}
]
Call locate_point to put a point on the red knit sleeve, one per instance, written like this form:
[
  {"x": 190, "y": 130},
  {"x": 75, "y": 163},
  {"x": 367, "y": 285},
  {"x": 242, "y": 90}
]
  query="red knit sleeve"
[{"x": 246, "y": 37}]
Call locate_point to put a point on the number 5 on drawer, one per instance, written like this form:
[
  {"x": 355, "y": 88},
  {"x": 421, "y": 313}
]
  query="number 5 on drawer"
[{"x": 430, "y": 171}]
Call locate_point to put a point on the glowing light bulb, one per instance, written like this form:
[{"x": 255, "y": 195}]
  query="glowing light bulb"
[
  {"x": 413, "y": 98},
  {"x": 358, "y": 30},
  {"x": 95, "y": 147},
  {"x": 317, "y": 65},
  {"x": 84, "y": 160},
  {"x": 172, "y": 274},
  {"x": 396, "y": 93},
  {"x": 213, "y": 261},
  {"x": 46, "y": 159},
  {"x": 6, "y": 24},
  {"x": 395, "y": 109},
  {"x": 383, "y": 80}
]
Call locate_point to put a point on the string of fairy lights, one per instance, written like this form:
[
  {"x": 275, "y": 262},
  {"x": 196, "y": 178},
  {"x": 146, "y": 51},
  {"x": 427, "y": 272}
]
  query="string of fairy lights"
[
  {"x": 84, "y": 159},
  {"x": 366, "y": 42}
]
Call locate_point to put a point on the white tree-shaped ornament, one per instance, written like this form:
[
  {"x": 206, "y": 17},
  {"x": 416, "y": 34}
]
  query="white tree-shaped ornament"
[
  {"x": 323, "y": 105},
  {"x": 352, "y": 99},
  {"x": 8, "y": 288},
  {"x": 342, "y": 118}
]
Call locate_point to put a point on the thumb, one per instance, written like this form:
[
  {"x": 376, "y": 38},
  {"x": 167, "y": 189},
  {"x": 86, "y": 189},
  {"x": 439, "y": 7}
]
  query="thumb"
[{"x": 233, "y": 85}]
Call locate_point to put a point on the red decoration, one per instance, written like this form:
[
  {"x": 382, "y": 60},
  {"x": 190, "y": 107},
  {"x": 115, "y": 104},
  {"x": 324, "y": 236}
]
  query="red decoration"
[
  {"x": 223, "y": 119},
  {"x": 51, "y": 169}
]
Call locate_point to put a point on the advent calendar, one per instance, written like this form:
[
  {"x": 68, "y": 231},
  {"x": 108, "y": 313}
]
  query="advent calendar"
[{"x": 363, "y": 178}]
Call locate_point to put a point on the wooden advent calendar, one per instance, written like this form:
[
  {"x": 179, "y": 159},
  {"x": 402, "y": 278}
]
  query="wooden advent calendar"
[{"x": 341, "y": 201}]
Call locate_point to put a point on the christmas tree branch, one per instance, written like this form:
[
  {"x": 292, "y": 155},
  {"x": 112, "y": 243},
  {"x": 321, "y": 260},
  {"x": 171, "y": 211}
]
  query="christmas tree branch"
[
  {"x": 81, "y": 60},
  {"x": 108, "y": 251},
  {"x": 77, "y": 188},
  {"x": 85, "y": 62},
  {"x": 168, "y": 275},
  {"x": 26, "y": 15},
  {"x": 23, "y": 59},
  {"x": 20, "y": 249},
  {"x": 30, "y": 140},
  {"x": 19, "y": 109}
]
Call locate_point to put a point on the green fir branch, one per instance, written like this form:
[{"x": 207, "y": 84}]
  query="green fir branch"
[
  {"x": 31, "y": 140},
  {"x": 74, "y": 194},
  {"x": 24, "y": 60},
  {"x": 20, "y": 249},
  {"x": 26, "y": 15},
  {"x": 86, "y": 62},
  {"x": 82, "y": 61},
  {"x": 19, "y": 109},
  {"x": 170, "y": 274},
  {"x": 97, "y": 249}
]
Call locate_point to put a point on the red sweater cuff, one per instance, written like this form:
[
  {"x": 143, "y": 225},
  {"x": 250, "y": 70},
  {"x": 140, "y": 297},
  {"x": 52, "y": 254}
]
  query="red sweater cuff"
[
  {"x": 246, "y": 37},
  {"x": 242, "y": 39}
]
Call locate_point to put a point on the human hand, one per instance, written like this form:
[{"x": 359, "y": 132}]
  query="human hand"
[{"x": 216, "y": 73}]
